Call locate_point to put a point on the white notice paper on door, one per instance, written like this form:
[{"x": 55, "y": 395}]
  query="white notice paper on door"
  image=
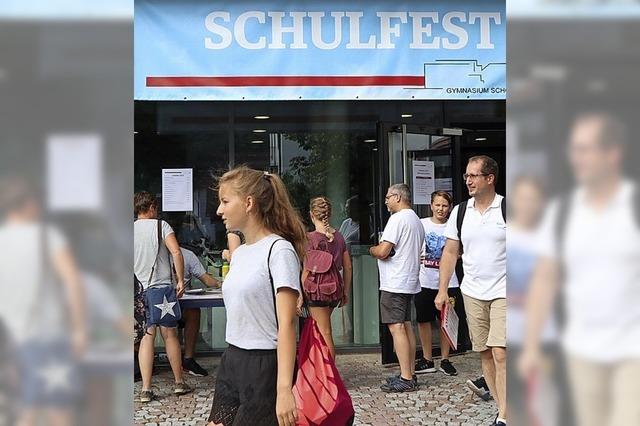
[
  {"x": 177, "y": 190},
  {"x": 423, "y": 181}
]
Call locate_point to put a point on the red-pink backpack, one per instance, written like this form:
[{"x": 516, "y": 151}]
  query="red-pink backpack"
[
  {"x": 324, "y": 282},
  {"x": 321, "y": 397}
]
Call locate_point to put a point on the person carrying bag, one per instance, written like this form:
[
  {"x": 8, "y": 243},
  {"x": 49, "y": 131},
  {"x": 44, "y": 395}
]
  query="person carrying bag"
[{"x": 160, "y": 297}]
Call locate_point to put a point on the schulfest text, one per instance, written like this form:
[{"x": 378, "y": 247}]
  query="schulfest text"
[{"x": 428, "y": 30}]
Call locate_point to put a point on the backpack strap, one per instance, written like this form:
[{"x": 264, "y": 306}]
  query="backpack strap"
[
  {"x": 503, "y": 207},
  {"x": 462, "y": 210},
  {"x": 273, "y": 290},
  {"x": 155, "y": 261}
]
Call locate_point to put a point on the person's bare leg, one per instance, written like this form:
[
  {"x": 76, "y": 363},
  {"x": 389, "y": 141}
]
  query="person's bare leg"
[
  {"x": 424, "y": 329},
  {"x": 489, "y": 371},
  {"x": 145, "y": 357},
  {"x": 500, "y": 361},
  {"x": 445, "y": 348},
  {"x": 172, "y": 346},
  {"x": 191, "y": 330},
  {"x": 411, "y": 337},
  {"x": 322, "y": 316},
  {"x": 402, "y": 346}
]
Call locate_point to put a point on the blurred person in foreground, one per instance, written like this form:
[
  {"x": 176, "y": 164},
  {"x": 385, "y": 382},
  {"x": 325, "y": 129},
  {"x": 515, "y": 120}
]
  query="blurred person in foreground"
[
  {"x": 526, "y": 204},
  {"x": 43, "y": 306},
  {"x": 481, "y": 237},
  {"x": 589, "y": 246}
]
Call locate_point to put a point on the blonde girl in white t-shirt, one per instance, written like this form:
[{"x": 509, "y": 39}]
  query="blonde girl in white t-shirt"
[{"x": 255, "y": 377}]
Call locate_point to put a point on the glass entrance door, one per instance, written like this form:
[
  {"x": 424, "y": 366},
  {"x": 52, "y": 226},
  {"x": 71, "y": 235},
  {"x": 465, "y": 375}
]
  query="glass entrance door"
[{"x": 424, "y": 159}]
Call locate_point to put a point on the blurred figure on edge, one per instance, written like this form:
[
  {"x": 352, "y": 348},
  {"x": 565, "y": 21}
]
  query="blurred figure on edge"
[
  {"x": 526, "y": 203},
  {"x": 589, "y": 247},
  {"x": 43, "y": 307}
]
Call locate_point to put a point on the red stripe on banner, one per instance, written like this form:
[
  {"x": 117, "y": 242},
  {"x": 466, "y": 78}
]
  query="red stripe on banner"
[{"x": 401, "y": 80}]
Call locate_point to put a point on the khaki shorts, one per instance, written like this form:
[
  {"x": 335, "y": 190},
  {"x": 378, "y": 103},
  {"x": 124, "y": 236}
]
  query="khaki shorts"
[{"x": 487, "y": 321}]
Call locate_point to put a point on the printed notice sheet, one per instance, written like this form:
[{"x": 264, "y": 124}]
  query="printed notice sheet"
[
  {"x": 449, "y": 325},
  {"x": 423, "y": 181},
  {"x": 177, "y": 190}
]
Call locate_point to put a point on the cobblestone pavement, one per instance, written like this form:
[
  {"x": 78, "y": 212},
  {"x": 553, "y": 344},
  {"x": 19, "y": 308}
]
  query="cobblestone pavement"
[{"x": 441, "y": 400}]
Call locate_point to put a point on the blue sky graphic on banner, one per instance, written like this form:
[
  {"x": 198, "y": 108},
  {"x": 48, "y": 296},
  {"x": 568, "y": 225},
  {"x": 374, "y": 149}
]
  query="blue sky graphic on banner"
[{"x": 261, "y": 50}]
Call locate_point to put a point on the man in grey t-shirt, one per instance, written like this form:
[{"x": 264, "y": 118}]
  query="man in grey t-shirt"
[{"x": 191, "y": 317}]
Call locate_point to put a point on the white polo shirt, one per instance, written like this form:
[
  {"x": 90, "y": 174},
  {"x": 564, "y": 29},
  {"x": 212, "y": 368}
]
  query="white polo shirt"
[
  {"x": 601, "y": 264},
  {"x": 485, "y": 254}
]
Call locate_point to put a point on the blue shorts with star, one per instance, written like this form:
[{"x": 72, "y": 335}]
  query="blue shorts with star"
[{"x": 162, "y": 306}]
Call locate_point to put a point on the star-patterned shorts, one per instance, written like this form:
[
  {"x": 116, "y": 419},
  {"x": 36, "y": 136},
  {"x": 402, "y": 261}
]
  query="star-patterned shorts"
[{"x": 162, "y": 306}]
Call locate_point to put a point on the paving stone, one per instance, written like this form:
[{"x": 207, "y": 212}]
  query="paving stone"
[{"x": 440, "y": 400}]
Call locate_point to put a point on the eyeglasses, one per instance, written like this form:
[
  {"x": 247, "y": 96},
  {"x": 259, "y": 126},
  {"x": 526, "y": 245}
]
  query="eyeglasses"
[
  {"x": 389, "y": 196},
  {"x": 472, "y": 176}
]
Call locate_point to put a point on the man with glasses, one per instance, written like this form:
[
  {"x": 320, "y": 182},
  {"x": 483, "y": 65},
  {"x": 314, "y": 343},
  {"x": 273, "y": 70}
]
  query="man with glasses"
[
  {"x": 398, "y": 255},
  {"x": 482, "y": 241}
]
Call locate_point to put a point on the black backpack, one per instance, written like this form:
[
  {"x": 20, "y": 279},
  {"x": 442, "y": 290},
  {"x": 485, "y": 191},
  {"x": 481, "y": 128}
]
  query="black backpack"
[{"x": 462, "y": 210}]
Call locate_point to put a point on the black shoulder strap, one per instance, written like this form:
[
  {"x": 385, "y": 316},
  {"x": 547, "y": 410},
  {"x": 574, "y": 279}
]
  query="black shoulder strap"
[
  {"x": 273, "y": 290},
  {"x": 462, "y": 210},
  {"x": 561, "y": 222},
  {"x": 159, "y": 232},
  {"x": 503, "y": 207}
]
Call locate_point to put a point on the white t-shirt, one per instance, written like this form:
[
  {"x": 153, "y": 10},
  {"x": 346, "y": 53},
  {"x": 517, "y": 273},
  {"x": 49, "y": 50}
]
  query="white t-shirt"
[
  {"x": 601, "y": 266},
  {"x": 399, "y": 274},
  {"x": 434, "y": 241},
  {"x": 145, "y": 248},
  {"x": 485, "y": 255},
  {"x": 32, "y": 295},
  {"x": 248, "y": 298}
]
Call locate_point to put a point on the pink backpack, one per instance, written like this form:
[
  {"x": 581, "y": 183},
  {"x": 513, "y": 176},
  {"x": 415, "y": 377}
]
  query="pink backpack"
[
  {"x": 324, "y": 282},
  {"x": 321, "y": 396}
]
